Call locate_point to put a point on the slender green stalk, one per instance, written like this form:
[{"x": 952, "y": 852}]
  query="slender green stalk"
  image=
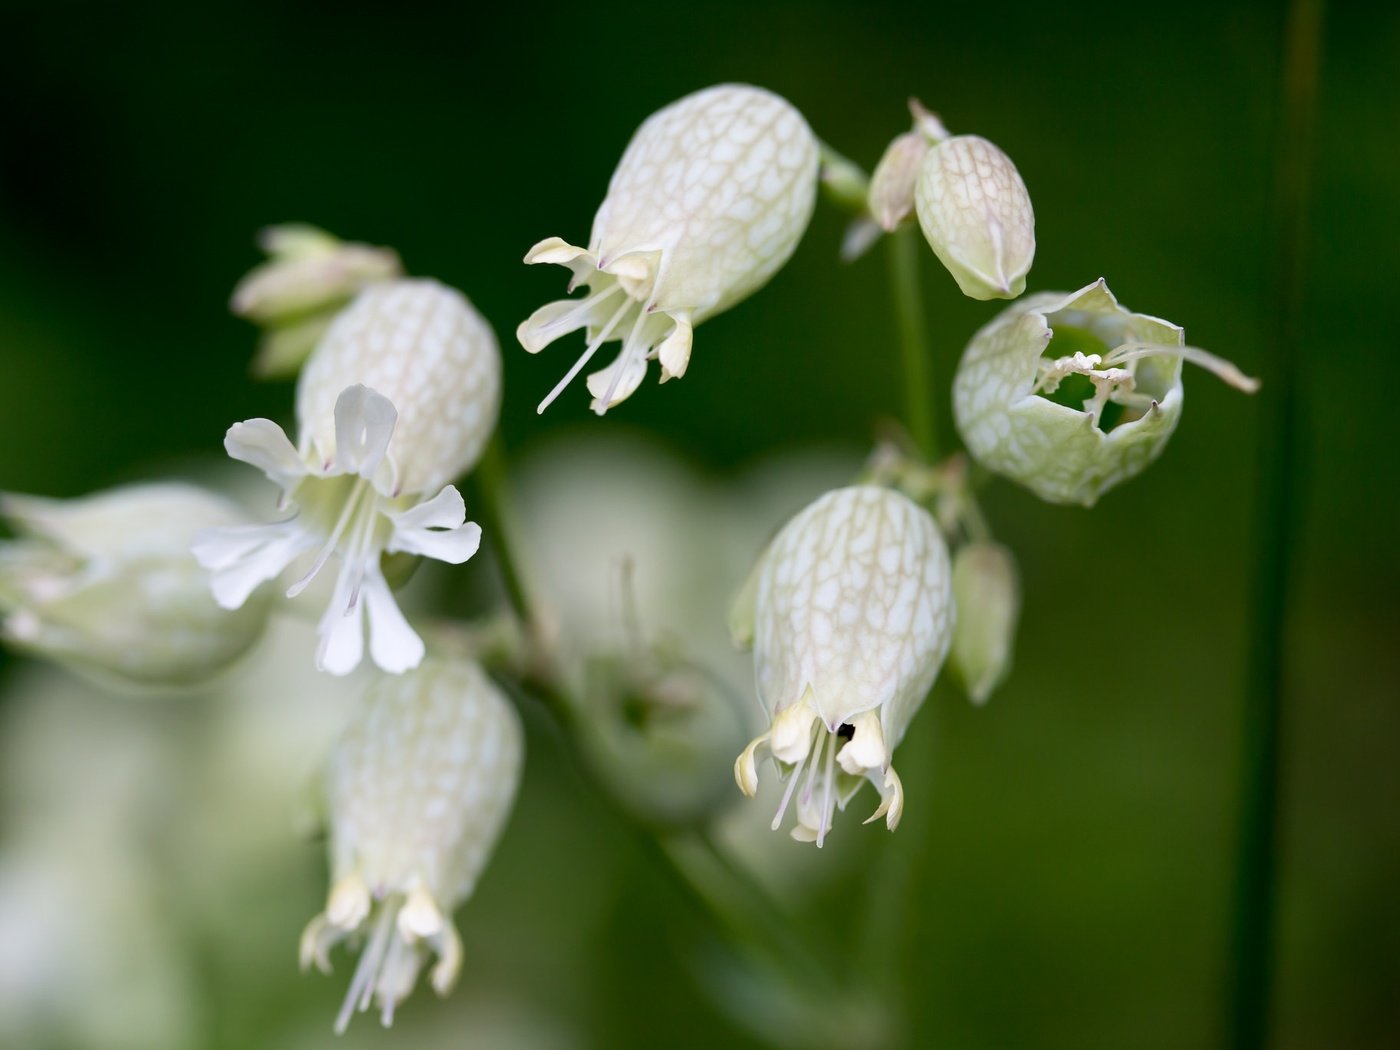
[
  {"x": 494, "y": 511},
  {"x": 1252, "y": 941},
  {"x": 916, "y": 373}
]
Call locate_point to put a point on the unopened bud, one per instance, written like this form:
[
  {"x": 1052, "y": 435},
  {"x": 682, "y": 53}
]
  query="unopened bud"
[
  {"x": 892, "y": 184},
  {"x": 987, "y": 593}
]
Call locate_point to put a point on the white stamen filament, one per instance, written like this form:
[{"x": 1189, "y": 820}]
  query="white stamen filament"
[
  {"x": 585, "y": 306},
  {"x": 1224, "y": 370},
  {"x": 593, "y": 346},
  {"x": 827, "y": 801},
  {"x": 328, "y": 547},
  {"x": 361, "y": 989},
  {"x": 622, "y": 361}
]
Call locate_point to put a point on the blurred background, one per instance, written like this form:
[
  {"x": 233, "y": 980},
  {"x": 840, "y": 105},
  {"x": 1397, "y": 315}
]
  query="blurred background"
[{"x": 1064, "y": 870}]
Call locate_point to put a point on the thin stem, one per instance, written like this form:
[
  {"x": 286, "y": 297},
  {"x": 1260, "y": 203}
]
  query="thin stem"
[
  {"x": 494, "y": 511},
  {"x": 1252, "y": 946},
  {"x": 915, "y": 367}
]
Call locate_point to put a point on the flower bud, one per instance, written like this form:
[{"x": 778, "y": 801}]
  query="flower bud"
[
  {"x": 988, "y": 598},
  {"x": 398, "y": 399},
  {"x": 892, "y": 185},
  {"x": 976, "y": 214},
  {"x": 419, "y": 789},
  {"x": 1070, "y": 394},
  {"x": 709, "y": 200},
  {"x": 106, "y": 585},
  {"x": 853, "y": 615},
  {"x": 295, "y": 295}
]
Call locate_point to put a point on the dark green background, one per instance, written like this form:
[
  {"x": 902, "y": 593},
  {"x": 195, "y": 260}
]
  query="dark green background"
[{"x": 1076, "y": 887}]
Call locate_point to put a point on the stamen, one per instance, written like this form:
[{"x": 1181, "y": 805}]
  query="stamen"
[
  {"x": 622, "y": 361},
  {"x": 329, "y": 546},
  {"x": 361, "y": 989},
  {"x": 593, "y": 346},
  {"x": 827, "y": 801},
  {"x": 585, "y": 305},
  {"x": 1225, "y": 370},
  {"x": 787, "y": 795}
]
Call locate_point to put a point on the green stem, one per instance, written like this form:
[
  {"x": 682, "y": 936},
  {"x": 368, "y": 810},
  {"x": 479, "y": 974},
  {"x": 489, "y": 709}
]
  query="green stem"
[
  {"x": 1278, "y": 499},
  {"x": 494, "y": 511},
  {"x": 915, "y": 367}
]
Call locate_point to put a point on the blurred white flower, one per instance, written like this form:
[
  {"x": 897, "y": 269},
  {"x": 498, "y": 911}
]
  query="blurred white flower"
[
  {"x": 397, "y": 400},
  {"x": 419, "y": 789},
  {"x": 987, "y": 592},
  {"x": 105, "y": 584},
  {"x": 708, "y": 202},
  {"x": 851, "y": 617}
]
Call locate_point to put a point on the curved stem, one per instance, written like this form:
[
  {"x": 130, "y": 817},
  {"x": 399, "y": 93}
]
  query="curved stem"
[
  {"x": 916, "y": 372},
  {"x": 493, "y": 509},
  {"x": 1252, "y": 940}
]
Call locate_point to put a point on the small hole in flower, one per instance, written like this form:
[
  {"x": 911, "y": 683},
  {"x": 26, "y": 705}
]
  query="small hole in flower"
[{"x": 847, "y": 731}]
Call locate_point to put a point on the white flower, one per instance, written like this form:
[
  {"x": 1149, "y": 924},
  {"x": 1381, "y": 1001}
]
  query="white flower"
[
  {"x": 106, "y": 585},
  {"x": 852, "y": 618},
  {"x": 397, "y": 400},
  {"x": 708, "y": 202},
  {"x": 419, "y": 789},
  {"x": 1070, "y": 394}
]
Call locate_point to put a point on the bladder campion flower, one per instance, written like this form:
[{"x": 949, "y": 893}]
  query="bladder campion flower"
[
  {"x": 419, "y": 789},
  {"x": 106, "y": 584},
  {"x": 987, "y": 591},
  {"x": 396, "y": 401},
  {"x": 851, "y": 619},
  {"x": 1070, "y": 394},
  {"x": 708, "y": 202}
]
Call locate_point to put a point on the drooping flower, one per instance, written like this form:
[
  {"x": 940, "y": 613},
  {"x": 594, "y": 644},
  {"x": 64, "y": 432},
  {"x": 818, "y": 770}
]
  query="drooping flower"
[
  {"x": 419, "y": 789},
  {"x": 852, "y": 617},
  {"x": 708, "y": 202},
  {"x": 397, "y": 400},
  {"x": 1070, "y": 394},
  {"x": 105, "y": 584}
]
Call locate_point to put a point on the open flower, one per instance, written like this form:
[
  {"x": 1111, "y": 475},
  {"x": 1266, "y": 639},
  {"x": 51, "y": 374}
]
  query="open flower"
[
  {"x": 397, "y": 400},
  {"x": 709, "y": 200},
  {"x": 419, "y": 789},
  {"x": 852, "y": 618},
  {"x": 105, "y": 584},
  {"x": 1070, "y": 394}
]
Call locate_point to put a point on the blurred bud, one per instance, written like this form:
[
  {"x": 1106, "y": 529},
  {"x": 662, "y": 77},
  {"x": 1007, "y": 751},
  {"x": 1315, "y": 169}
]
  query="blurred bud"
[
  {"x": 987, "y": 594},
  {"x": 892, "y": 186},
  {"x": 976, "y": 214},
  {"x": 398, "y": 399},
  {"x": 707, "y": 203},
  {"x": 660, "y": 733},
  {"x": 419, "y": 789},
  {"x": 853, "y": 617},
  {"x": 105, "y": 584},
  {"x": 308, "y": 278},
  {"x": 1070, "y": 394}
]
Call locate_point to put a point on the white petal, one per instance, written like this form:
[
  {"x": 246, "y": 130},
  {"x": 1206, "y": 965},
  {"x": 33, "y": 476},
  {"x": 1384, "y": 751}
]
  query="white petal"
[
  {"x": 364, "y": 423},
  {"x": 342, "y": 631},
  {"x": 451, "y": 546},
  {"x": 263, "y": 444},
  {"x": 446, "y": 510},
  {"x": 617, "y": 382},
  {"x": 393, "y": 645},
  {"x": 242, "y": 559}
]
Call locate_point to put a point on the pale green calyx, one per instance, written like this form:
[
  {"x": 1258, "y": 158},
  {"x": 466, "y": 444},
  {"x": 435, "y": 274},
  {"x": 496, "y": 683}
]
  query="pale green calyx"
[
  {"x": 853, "y": 616},
  {"x": 105, "y": 584},
  {"x": 419, "y": 789},
  {"x": 973, "y": 208},
  {"x": 399, "y": 399},
  {"x": 709, "y": 200},
  {"x": 987, "y": 593},
  {"x": 1070, "y": 394},
  {"x": 310, "y": 276}
]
